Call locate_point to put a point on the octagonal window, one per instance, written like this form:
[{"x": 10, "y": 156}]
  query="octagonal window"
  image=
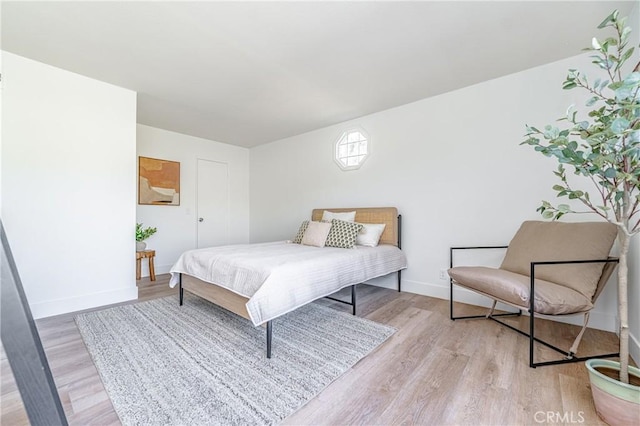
[{"x": 352, "y": 149}]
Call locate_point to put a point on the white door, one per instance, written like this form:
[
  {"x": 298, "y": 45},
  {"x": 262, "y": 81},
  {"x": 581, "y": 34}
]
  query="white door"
[{"x": 212, "y": 203}]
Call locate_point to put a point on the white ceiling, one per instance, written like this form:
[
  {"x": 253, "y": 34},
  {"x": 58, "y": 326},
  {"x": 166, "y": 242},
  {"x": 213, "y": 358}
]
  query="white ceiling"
[{"x": 248, "y": 73}]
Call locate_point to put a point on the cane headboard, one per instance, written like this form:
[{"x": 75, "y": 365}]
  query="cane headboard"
[{"x": 386, "y": 215}]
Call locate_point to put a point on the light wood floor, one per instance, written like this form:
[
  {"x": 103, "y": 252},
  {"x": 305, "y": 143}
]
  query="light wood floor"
[{"x": 432, "y": 371}]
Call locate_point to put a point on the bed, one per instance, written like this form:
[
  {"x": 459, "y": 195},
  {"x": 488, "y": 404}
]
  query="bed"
[{"x": 261, "y": 282}]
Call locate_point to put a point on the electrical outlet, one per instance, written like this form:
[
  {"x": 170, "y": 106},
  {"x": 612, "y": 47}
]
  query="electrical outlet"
[{"x": 443, "y": 274}]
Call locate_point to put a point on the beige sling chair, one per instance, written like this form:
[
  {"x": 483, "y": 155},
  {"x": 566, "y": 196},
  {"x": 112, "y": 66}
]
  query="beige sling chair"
[{"x": 564, "y": 266}]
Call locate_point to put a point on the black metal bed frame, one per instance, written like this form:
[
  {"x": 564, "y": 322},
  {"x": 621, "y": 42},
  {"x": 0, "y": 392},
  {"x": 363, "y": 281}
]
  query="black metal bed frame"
[
  {"x": 569, "y": 356},
  {"x": 353, "y": 287},
  {"x": 352, "y": 303}
]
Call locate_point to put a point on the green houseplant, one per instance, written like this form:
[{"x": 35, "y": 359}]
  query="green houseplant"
[
  {"x": 603, "y": 145},
  {"x": 142, "y": 234}
]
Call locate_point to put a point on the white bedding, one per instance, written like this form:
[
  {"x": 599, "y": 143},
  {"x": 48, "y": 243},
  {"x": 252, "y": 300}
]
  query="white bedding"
[{"x": 279, "y": 277}]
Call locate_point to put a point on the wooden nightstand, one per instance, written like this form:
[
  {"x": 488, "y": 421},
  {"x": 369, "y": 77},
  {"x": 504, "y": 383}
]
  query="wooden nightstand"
[{"x": 149, "y": 254}]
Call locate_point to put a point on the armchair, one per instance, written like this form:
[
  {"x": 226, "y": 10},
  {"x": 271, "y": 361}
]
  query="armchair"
[{"x": 550, "y": 269}]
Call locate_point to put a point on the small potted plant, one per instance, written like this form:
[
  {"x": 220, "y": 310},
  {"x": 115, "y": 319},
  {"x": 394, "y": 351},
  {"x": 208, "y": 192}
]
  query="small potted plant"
[
  {"x": 603, "y": 145},
  {"x": 142, "y": 234}
]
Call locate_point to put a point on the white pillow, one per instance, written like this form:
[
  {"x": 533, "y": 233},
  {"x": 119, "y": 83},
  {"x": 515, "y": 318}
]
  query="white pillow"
[
  {"x": 370, "y": 234},
  {"x": 327, "y": 216},
  {"x": 316, "y": 234}
]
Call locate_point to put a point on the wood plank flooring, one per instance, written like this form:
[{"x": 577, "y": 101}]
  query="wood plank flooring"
[{"x": 432, "y": 371}]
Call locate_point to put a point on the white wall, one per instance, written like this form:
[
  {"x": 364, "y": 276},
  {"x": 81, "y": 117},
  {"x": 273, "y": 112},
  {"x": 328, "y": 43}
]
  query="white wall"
[
  {"x": 1, "y": 97},
  {"x": 177, "y": 224},
  {"x": 634, "y": 255},
  {"x": 68, "y": 167},
  {"x": 452, "y": 165}
]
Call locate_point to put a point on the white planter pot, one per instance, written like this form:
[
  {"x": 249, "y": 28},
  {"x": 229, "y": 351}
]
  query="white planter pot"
[
  {"x": 140, "y": 245},
  {"x": 616, "y": 403}
]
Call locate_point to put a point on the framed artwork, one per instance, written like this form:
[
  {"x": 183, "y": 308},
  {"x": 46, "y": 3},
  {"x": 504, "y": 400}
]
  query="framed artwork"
[{"x": 158, "y": 182}]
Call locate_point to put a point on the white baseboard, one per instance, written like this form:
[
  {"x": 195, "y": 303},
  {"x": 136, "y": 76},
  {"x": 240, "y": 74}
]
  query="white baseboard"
[
  {"x": 598, "y": 320},
  {"x": 388, "y": 281},
  {"x": 160, "y": 269},
  {"x": 163, "y": 269},
  {"x": 78, "y": 303}
]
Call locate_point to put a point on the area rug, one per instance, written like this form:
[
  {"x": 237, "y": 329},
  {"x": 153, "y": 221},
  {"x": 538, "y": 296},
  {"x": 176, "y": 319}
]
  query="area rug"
[{"x": 162, "y": 363}]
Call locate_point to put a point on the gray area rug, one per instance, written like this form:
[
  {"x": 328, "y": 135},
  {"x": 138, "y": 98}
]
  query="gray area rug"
[{"x": 199, "y": 364}]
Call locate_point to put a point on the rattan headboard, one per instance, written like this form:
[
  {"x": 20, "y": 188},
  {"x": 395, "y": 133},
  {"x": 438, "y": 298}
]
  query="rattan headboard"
[{"x": 386, "y": 215}]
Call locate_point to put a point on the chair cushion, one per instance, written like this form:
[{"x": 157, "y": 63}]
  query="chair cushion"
[
  {"x": 550, "y": 298},
  {"x": 548, "y": 241}
]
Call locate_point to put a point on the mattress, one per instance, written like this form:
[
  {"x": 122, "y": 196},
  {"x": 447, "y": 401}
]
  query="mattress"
[{"x": 279, "y": 277}]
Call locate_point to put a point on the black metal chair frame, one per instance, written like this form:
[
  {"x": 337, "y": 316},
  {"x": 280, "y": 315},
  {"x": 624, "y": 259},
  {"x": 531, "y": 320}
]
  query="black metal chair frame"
[{"x": 569, "y": 356}]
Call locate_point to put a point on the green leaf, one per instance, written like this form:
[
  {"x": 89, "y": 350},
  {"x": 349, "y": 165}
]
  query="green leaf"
[
  {"x": 551, "y": 132},
  {"x": 547, "y": 214},
  {"x": 610, "y": 173},
  {"x": 570, "y": 110},
  {"x": 626, "y": 55},
  {"x": 632, "y": 79},
  {"x": 615, "y": 85},
  {"x": 619, "y": 125},
  {"x": 625, "y": 34},
  {"x": 592, "y": 101},
  {"x": 608, "y": 19}
]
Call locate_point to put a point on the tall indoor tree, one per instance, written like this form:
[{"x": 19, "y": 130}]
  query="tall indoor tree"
[{"x": 602, "y": 144}]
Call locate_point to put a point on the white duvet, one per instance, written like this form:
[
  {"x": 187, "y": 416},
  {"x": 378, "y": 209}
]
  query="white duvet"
[{"x": 279, "y": 277}]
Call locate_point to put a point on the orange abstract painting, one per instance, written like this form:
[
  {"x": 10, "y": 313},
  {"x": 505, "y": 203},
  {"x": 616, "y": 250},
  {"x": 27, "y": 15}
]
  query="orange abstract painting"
[{"x": 158, "y": 182}]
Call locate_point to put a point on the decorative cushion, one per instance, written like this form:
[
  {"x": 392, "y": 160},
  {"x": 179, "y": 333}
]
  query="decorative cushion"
[
  {"x": 370, "y": 234},
  {"x": 303, "y": 227},
  {"x": 343, "y": 234},
  {"x": 327, "y": 216},
  {"x": 551, "y": 299},
  {"x": 316, "y": 234},
  {"x": 548, "y": 241}
]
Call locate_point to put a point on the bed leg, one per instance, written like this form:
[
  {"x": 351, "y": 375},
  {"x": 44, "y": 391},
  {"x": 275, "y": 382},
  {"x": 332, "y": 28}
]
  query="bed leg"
[
  {"x": 353, "y": 298},
  {"x": 269, "y": 333},
  {"x": 399, "y": 281},
  {"x": 181, "y": 291}
]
